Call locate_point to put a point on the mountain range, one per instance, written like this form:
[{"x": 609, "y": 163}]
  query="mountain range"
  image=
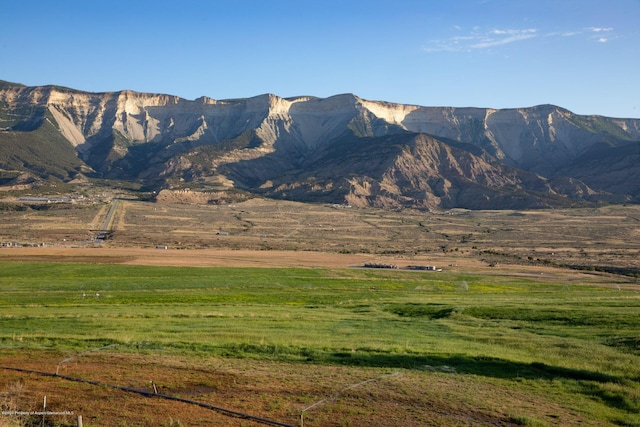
[{"x": 341, "y": 149}]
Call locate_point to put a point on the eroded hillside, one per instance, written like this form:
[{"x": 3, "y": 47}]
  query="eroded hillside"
[{"x": 337, "y": 149}]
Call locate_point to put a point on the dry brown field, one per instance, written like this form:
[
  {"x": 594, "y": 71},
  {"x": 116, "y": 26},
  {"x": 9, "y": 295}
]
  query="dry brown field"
[
  {"x": 280, "y": 233},
  {"x": 343, "y": 395}
]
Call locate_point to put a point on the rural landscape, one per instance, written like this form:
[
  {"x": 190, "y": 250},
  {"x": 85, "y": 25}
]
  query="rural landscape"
[
  {"x": 315, "y": 262},
  {"x": 263, "y": 308}
]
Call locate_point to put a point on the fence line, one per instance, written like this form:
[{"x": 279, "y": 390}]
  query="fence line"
[{"x": 146, "y": 393}]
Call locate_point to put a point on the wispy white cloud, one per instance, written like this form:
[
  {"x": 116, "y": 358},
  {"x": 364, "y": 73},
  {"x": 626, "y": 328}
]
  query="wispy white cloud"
[
  {"x": 477, "y": 40},
  {"x": 502, "y": 37},
  {"x": 598, "y": 33},
  {"x": 480, "y": 40},
  {"x": 599, "y": 29}
]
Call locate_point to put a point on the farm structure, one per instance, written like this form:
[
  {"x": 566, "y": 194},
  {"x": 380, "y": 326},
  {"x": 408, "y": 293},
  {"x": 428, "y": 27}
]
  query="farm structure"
[
  {"x": 423, "y": 267},
  {"x": 380, "y": 265},
  {"x": 395, "y": 266}
]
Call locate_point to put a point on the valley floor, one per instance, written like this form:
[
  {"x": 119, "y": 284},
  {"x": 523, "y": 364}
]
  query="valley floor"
[{"x": 524, "y": 325}]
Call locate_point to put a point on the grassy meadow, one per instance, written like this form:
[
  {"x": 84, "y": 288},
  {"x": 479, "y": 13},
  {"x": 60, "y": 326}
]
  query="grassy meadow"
[{"x": 576, "y": 343}]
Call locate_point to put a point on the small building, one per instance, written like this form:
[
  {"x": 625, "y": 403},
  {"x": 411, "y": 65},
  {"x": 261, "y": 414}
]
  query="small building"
[
  {"x": 423, "y": 267},
  {"x": 380, "y": 265}
]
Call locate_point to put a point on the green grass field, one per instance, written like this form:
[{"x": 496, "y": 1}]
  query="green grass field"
[{"x": 579, "y": 342}]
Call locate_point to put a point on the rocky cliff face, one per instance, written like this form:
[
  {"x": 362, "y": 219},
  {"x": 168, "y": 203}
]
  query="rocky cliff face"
[{"x": 337, "y": 149}]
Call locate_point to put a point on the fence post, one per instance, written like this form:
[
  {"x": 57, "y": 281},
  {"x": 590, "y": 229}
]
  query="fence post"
[
  {"x": 44, "y": 409},
  {"x": 79, "y": 420}
]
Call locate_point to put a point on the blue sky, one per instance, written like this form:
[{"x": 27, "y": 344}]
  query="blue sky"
[{"x": 583, "y": 55}]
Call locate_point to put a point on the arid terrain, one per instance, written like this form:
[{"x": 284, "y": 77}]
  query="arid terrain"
[{"x": 265, "y": 232}]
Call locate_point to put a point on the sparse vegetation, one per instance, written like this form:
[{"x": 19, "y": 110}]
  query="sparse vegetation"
[{"x": 599, "y": 240}]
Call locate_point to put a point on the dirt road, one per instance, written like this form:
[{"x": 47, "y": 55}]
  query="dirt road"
[{"x": 177, "y": 257}]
